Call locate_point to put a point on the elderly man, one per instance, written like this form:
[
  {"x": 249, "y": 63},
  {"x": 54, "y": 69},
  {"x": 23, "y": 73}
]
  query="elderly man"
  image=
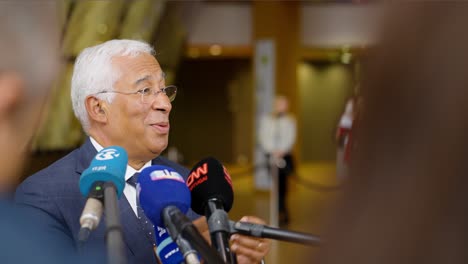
[{"x": 120, "y": 97}]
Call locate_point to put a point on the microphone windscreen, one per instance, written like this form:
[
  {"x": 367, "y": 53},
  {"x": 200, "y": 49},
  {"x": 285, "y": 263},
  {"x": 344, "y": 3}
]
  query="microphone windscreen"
[
  {"x": 207, "y": 180},
  {"x": 109, "y": 165},
  {"x": 168, "y": 251},
  {"x": 158, "y": 187}
]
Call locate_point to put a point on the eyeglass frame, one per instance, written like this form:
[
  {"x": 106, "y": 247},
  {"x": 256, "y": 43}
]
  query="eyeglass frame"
[{"x": 141, "y": 92}]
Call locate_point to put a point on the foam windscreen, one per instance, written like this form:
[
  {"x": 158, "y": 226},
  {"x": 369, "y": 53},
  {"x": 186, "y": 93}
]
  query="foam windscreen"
[
  {"x": 109, "y": 165},
  {"x": 209, "y": 180},
  {"x": 161, "y": 186}
]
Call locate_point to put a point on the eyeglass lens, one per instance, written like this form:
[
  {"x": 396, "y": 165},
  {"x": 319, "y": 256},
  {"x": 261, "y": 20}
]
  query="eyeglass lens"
[{"x": 170, "y": 91}]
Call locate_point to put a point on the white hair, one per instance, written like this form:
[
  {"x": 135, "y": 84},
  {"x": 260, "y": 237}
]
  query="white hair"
[{"x": 94, "y": 73}]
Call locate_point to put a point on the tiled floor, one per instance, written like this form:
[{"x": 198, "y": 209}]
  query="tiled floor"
[{"x": 310, "y": 199}]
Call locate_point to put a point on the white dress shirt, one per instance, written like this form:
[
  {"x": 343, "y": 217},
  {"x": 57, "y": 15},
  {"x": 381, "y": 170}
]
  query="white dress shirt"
[
  {"x": 129, "y": 191},
  {"x": 277, "y": 133}
]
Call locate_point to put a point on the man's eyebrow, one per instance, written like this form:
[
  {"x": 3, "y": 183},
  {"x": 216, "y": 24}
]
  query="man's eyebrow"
[
  {"x": 143, "y": 79},
  {"x": 148, "y": 77}
]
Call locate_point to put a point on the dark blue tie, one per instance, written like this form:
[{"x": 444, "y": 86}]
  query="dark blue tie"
[{"x": 145, "y": 223}]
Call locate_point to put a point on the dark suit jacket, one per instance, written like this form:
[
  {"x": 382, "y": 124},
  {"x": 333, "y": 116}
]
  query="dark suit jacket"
[{"x": 54, "y": 194}]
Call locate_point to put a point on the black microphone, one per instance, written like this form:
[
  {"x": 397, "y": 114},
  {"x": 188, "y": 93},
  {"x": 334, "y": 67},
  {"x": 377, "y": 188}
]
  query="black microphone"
[
  {"x": 212, "y": 195},
  {"x": 263, "y": 231}
]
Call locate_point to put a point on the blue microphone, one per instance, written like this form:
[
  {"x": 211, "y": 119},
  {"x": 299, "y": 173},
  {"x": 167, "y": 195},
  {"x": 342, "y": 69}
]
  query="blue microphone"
[
  {"x": 108, "y": 167},
  {"x": 160, "y": 188}
]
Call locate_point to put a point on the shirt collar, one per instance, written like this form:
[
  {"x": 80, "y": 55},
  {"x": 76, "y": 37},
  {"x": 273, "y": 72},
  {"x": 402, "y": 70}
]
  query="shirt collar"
[{"x": 130, "y": 171}]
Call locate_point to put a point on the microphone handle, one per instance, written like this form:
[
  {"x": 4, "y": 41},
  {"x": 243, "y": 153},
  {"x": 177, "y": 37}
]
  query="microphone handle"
[
  {"x": 114, "y": 236},
  {"x": 178, "y": 224},
  {"x": 220, "y": 240},
  {"x": 218, "y": 224},
  {"x": 92, "y": 211},
  {"x": 208, "y": 253},
  {"x": 190, "y": 255},
  {"x": 264, "y": 231}
]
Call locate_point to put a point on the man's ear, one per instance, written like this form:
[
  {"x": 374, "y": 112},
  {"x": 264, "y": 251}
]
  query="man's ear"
[{"x": 97, "y": 109}]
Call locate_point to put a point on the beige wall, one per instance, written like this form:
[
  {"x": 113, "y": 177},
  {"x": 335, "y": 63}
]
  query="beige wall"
[
  {"x": 323, "y": 90},
  {"x": 321, "y": 25},
  {"x": 242, "y": 106},
  {"x": 212, "y": 113}
]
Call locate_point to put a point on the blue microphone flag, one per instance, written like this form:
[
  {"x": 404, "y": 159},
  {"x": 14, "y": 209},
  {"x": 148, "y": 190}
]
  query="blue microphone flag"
[
  {"x": 167, "y": 250},
  {"x": 109, "y": 165}
]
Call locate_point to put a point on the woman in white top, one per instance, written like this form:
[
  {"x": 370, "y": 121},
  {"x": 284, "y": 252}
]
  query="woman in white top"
[
  {"x": 277, "y": 135},
  {"x": 343, "y": 133}
]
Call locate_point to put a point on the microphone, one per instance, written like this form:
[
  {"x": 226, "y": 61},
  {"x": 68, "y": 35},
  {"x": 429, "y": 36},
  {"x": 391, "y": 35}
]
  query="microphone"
[
  {"x": 212, "y": 195},
  {"x": 158, "y": 187},
  {"x": 161, "y": 189},
  {"x": 108, "y": 166},
  {"x": 179, "y": 226},
  {"x": 257, "y": 230}
]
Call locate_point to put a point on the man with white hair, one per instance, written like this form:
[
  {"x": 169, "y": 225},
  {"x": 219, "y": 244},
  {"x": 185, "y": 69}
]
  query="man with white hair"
[{"x": 120, "y": 96}]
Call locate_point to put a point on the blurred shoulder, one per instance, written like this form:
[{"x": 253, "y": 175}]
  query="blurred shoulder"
[
  {"x": 59, "y": 169},
  {"x": 59, "y": 178}
]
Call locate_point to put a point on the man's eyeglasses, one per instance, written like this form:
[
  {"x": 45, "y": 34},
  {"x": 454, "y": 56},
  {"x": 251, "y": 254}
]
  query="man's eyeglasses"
[{"x": 149, "y": 94}]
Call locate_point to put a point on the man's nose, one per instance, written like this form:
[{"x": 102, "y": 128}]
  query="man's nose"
[{"x": 162, "y": 103}]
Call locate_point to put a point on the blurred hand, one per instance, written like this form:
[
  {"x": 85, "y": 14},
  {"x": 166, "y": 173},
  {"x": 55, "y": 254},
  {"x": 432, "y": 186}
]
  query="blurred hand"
[
  {"x": 250, "y": 249},
  {"x": 278, "y": 154}
]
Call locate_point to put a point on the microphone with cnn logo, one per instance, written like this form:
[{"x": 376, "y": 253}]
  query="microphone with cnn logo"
[{"x": 212, "y": 195}]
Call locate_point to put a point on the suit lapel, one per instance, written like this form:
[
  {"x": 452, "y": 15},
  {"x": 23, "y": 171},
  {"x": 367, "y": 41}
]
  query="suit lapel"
[
  {"x": 85, "y": 156},
  {"x": 133, "y": 234}
]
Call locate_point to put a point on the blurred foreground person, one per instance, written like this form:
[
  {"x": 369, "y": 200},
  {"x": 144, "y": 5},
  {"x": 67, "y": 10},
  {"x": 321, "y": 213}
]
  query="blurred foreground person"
[
  {"x": 406, "y": 198},
  {"x": 29, "y": 46}
]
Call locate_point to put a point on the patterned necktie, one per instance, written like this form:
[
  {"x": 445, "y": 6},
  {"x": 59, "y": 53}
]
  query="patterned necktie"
[{"x": 145, "y": 223}]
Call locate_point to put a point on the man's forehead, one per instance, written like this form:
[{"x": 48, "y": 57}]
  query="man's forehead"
[{"x": 147, "y": 77}]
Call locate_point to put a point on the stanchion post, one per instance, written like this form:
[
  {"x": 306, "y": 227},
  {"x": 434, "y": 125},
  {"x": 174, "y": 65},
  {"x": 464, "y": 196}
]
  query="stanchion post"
[{"x": 273, "y": 192}]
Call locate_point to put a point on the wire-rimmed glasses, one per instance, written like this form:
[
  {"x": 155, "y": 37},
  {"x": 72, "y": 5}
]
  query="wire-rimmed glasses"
[{"x": 149, "y": 94}]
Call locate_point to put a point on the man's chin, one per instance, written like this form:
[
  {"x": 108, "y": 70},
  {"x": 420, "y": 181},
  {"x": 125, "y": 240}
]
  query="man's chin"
[{"x": 158, "y": 148}]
